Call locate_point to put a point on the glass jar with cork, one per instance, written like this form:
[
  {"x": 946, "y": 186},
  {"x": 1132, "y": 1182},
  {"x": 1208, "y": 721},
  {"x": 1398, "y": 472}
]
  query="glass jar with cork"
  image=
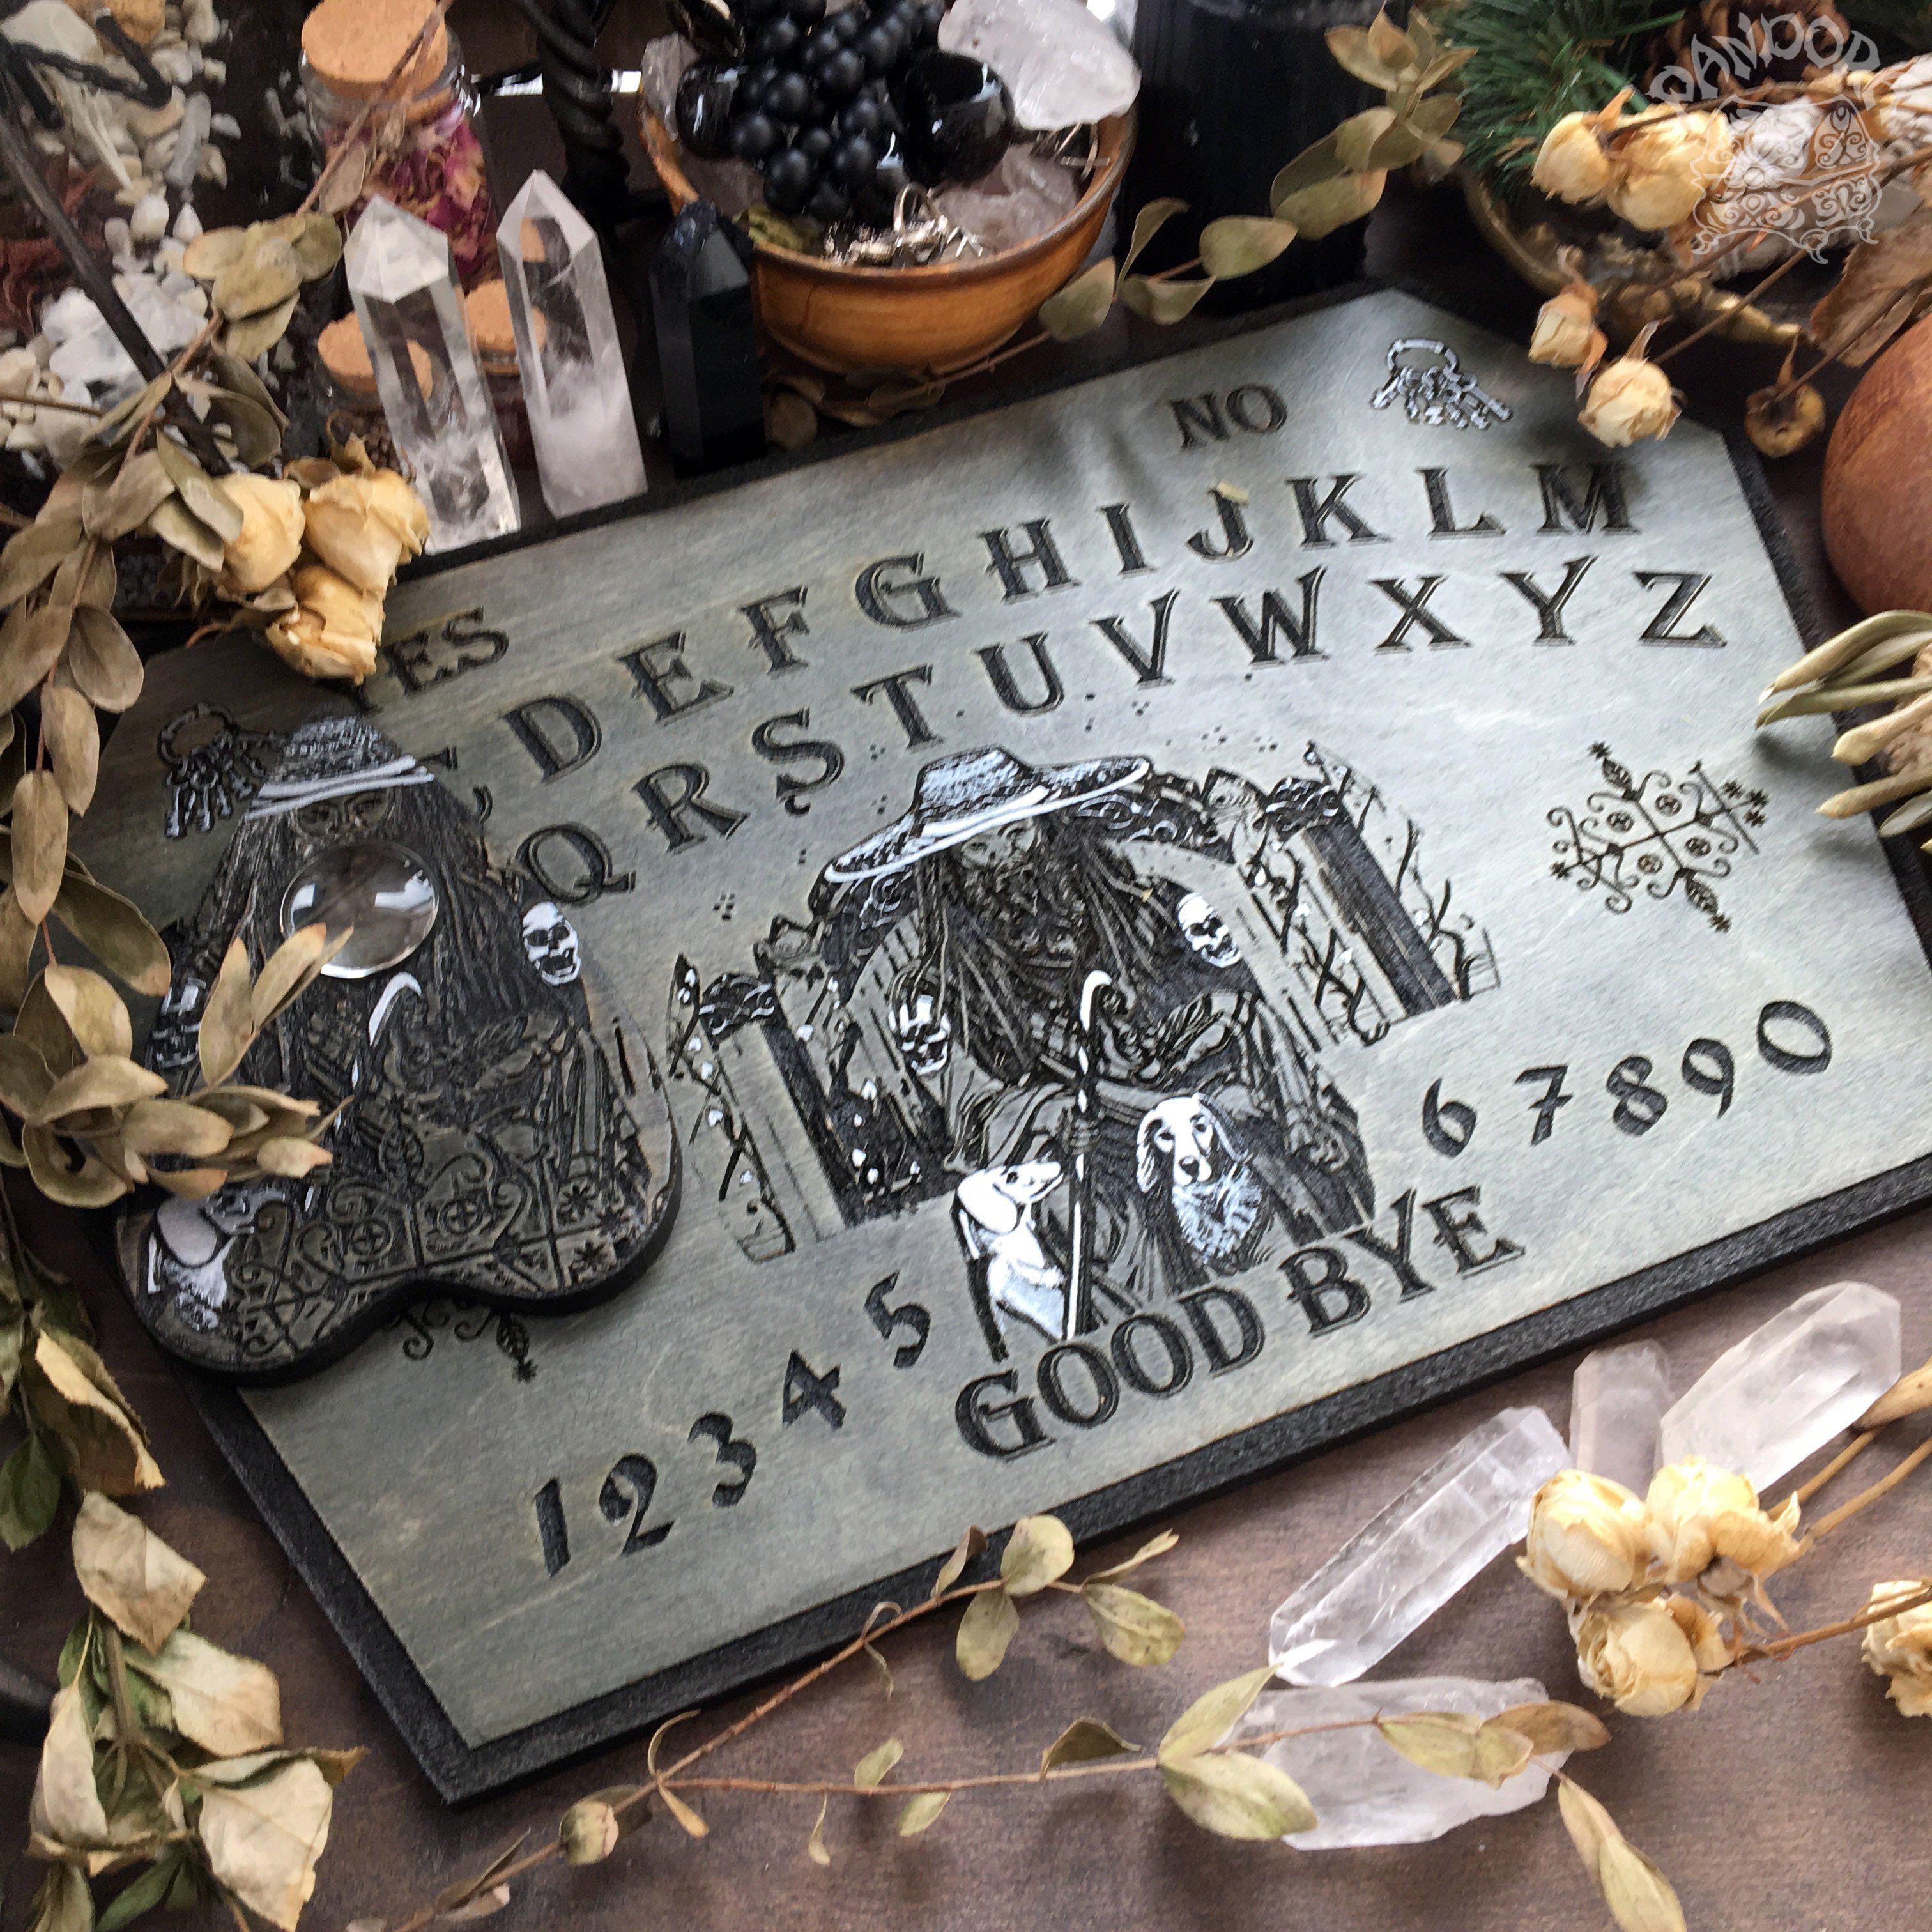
[
  {"x": 424, "y": 153},
  {"x": 486, "y": 311}
]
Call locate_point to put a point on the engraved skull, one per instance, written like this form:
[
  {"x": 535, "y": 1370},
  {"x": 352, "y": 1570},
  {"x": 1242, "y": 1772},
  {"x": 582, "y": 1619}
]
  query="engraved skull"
[
  {"x": 1202, "y": 927},
  {"x": 550, "y": 944},
  {"x": 925, "y": 1036}
]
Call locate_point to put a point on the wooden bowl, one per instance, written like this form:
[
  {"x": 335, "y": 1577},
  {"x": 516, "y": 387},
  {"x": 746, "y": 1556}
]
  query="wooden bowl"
[{"x": 940, "y": 318}]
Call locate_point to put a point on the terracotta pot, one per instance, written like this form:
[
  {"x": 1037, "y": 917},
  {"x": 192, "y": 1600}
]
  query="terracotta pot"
[
  {"x": 939, "y": 318},
  {"x": 1877, "y": 495}
]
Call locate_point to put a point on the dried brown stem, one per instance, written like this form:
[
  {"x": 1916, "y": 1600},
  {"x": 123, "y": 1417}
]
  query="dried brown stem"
[
  {"x": 1718, "y": 321},
  {"x": 1780, "y": 1648},
  {"x": 1856, "y": 1446},
  {"x": 1846, "y": 1511}
]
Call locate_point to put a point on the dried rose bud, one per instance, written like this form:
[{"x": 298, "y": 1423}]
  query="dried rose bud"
[
  {"x": 363, "y": 526},
  {"x": 1587, "y": 1536},
  {"x": 1900, "y": 1647},
  {"x": 590, "y": 1831},
  {"x": 1630, "y": 401},
  {"x": 1571, "y": 164},
  {"x": 271, "y": 533},
  {"x": 1567, "y": 336},
  {"x": 1637, "y": 1655},
  {"x": 1699, "y": 1516},
  {"x": 1660, "y": 172},
  {"x": 333, "y": 630},
  {"x": 1778, "y": 422}
]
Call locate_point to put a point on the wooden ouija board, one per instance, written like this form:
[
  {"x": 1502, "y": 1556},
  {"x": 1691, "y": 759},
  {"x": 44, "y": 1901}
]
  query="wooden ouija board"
[{"x": 1174, "y": 919}]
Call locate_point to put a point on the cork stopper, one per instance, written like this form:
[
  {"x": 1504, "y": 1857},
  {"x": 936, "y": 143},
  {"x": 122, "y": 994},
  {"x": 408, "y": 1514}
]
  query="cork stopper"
[
  {"x": 345, "y": 355},
  {"x": 486, "y": 310},
  {"x": 353, "y": 44}
]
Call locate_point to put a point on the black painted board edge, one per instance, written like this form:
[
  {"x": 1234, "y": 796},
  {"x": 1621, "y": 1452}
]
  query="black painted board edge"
[{"x": 462, "y": 1774}]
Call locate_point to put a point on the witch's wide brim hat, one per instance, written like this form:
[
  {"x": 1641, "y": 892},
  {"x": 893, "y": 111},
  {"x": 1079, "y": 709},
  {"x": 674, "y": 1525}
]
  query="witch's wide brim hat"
[{"x": 960, "y": 797}]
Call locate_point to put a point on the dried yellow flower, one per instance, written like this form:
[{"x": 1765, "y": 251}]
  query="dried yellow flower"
[
  {"x": 1699, "y": 1516},
  {"x": 1636, "y": 1655},
  {"x": 1661, "y": 171},
  {"x": 1900, "y": 1647},
  {"x": 1630, "y": 401},
  {"x": 363, "y": 526},
  {"x": 1572, "y": 164},
  {"x": 271, "y": 533},
  {"x": 1587, "y": 1536},
  {"x": 334, "y": 631},
  {"x": 1567, "y": 336}
]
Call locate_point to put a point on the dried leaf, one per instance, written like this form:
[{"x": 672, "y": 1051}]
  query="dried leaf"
[
  {"x": 1640, "y": 1897},
  {"x": 316, "y": 239},
  {"x": 215, "y": 509},
  {"x": 683, "y": 1814},
  {"x": 1081, "y": 306},
  {"x": 250, "y": 336},
  {"x": 1211, "y": 1716},
  {"x": 1320, "y": 210},
  {"x": 18, "y": 939},
  {"x": 176, "y": 524},
  {"x": 105, "y": 1080},
  {"x": 1351, "y": 48},
  {"x": 264, "y": 276},
  {"x": 263, "y": 1839},
  {"x": 1881, "y": 284},
  {"x": 66, "y": 1807},
  {"x": 452, "y": 1896},
  {"x": 31, "y": 648},
  {"x": 986, "y": 1630},
  {"x": 230, "y": 1706},
  {"x": 343, "y": 187},
  {"x": 213, "y": 251},
  {"x": 103, "y": 1443},
  {"x": 1356, "y": 137},
  {"x": 72, "y": 736},
  {"x": 1154, "y": 217},
  {"x": 1134, "y": 1628},
  {"x": 113, "y": 930},
  {"x": 127, "y": 1571},
  {"x": 40, "y": 843},
  {"x": 1083, "y": 1742},
  {"x": 815, "y": 1846},
  {"x": 91, "y": 1184},
  {"x": 1161, "y": 1541},
  {"x": 968, "y": 1546},
  {"x": 871, "y": 1768},
  {"x": 1163, "y": 302},
  {"x": 226, "y": 1028},
  {"x": 1039, "y": 1550},
  {"x": 175, "y": 1127},
  {"x": 1238, "y": 245},
  {"x": 920, "y": 1812},
  {"x": 483, "y": 1905},
  {"x": 101, "y": 660},
  {"x": 1452, "y": 1743},
  {"x": 116, "y": 504},
  {"x": 126, "y": 413},
  {"x": 63, "y": 1903},
  {"x": 93, "y": 1014},
  {"x": 146, "y": 1893},
  {"x": 284, "y": 1155},
  {"x": 33, "y": 555},
  {"x": 1235, "y": 1796},
  {"x": 1553, "y": 1726},
  {"x": 24, "y": 1077},
  {"x": 290, "y": 968},
  {"x": 256, "y": 427}
]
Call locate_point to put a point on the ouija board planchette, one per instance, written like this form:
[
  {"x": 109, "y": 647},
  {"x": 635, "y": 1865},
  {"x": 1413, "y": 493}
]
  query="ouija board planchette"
[{"x": 1179, "y": 918}]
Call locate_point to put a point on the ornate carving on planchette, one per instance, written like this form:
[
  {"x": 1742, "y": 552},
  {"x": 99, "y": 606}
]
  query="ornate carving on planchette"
[{"x": 503, "y": 1132}]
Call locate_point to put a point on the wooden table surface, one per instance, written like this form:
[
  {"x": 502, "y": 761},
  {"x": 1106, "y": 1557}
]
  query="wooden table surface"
[{"x": 1792, "y": 1803}]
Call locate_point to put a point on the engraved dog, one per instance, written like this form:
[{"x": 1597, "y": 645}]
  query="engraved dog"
[
  {"x": 1203, "y": 1191},
  {"x": 1008, "y": 1271}
]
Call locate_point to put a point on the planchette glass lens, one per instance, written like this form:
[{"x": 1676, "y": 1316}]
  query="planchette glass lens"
[{"x": 382, "y": 890}]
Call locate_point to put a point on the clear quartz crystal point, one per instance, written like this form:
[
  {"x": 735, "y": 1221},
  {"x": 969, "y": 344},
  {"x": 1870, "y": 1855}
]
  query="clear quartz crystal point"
[
  {"x": 578, "y": 401},
  {"x": 1617, "y": 1403},
  {"x": 403, "y": 284},
  {"x": 1061, "y": 63},
  {"x": 1365, "y": 1793},
  {"x": 1463, "y": 1511},
  {"x": 1790, "y": 1386}
]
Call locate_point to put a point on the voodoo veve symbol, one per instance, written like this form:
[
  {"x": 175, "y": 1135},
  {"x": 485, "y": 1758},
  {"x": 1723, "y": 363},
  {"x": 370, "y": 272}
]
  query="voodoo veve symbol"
[
  {"x": 1656, "y": 834},
  {"x": 1427, "y": 379},
  {"x": 215, "y": 767}
]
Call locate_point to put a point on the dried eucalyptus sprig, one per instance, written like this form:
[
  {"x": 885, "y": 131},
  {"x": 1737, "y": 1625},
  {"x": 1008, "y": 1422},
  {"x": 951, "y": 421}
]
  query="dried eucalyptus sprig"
[
  {"x": 165, "y": 1752},
  {"x": 1886, "y": 659}
]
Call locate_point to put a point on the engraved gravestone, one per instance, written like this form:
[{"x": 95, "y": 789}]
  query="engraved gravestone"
[{"x": 1176, "y": 918}]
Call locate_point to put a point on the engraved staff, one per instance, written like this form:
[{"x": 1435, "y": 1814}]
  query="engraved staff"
[{"x": 1086, "y": 1100}]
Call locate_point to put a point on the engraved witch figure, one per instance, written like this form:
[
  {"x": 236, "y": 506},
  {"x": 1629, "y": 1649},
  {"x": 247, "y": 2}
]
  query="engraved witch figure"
[{"x": 1126, "y": 1115}]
